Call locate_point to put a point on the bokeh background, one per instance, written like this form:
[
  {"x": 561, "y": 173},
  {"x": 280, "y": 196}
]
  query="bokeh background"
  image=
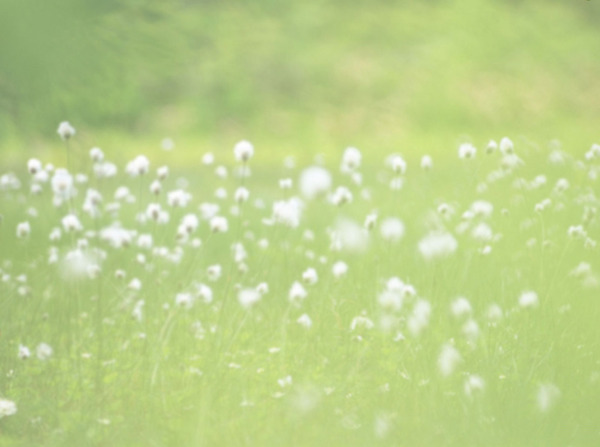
[{"x": 297, "y": 78}]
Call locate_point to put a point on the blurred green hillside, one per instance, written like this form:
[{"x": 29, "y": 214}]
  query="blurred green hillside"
[{"x": 300, "y": 77}]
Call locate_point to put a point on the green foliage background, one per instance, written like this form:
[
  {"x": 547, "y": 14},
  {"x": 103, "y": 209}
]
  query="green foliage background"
[{"x": 304, "y": 77}]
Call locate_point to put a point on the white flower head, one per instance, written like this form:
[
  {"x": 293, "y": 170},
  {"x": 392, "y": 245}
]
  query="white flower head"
[
  {"x": 7, "y": 408},
  {"x": 506, "y": 146},
  {"x": 448, "y": 360},
  {"x": 304, "y": 321},
  {"x": 44, "y": 351},
  {"x": 392, "y": 229},
  {"x": 96, "y": 155},
  {"x": 248, "y": 297},
  {"x": 466, "y": 150},
  {"x": 34, "y": 166},
  {"x": 339, "y": 269},
  {"x": 310, "y": 276},
  {"x": 528, "y": 299},
  {"x": 351, "y": 159},
  {"x": 243, "y": 151},
  {"x": 315, "y": 181},
  {"x": 65, "y": 130},
  {"x": 219, "y": 224},
  {"x": 23, "y": 230}
]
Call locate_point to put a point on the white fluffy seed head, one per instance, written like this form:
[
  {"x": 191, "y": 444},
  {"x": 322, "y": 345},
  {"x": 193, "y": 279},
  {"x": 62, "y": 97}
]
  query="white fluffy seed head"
[
  {"x": 466, "y": 150},
  {"x": 243, "y": 151},
  {"x": 65, "y": 130},
  {"x": 96, "y": 155},
  {"x": 528, "y": 299},
  {"x": 248, "y": 297}
]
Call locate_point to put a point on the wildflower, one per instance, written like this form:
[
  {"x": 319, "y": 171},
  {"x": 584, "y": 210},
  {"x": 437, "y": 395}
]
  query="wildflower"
[
  {"x": 491, "y": 147},
  {"x": 24, "y": 352},
  {"x": 341, "y": 196},
  {"x": 34, "y": 166},
  {"x": 96, "y": 155},
  {"x": 288, "y": 212},
  {"x": 218, "y": 224},
  {"x": 23, "y": 230},
  {"x": 7, "y": 408},
  {"x": 506, "y": 146},
  {"x": 397, "y": 164},
  {"x": 437, "y": 245},
  {"x": 426, "y": 163},
  {"x": 155, "y": 187},
  {"x": 262, "y": 288},
  {"x": 243, "y": 151},
  {"x": 204, "y": 292},
  {"x": 285, "y": 183},
  {"x": 315, "y": 181},
  {"x": 297, "y": 292},
  {"x": 419, "y": 319},
  {"x": 466, "y": 150},
  {"x": 162, "y": 173},
  {"x": 65, "y": 130},
  {"x": 62, "y": 183},
  {"x": 44, "y": 351},
  {"x": 248, "y": 297},
  {"x": 392, "y": 229},
  {"x": 351, "y": 159},
  {"x": 528, "y": 299},
  {"x": 448, "y": 360},
  {"x": 461, "y": 307},
  {"x": 138, "y": 311},
  {"x": 184, "y": 300},
  {"x": 390, "y": 300},
  {"x": 71, "y": 223},
  {"x": 473, "y": 384},
  {"x": 138, "y": 166},
  {"x": 339, "y": 269},
  {"x": 304, "y": 321},
  {"x": 214, "y": 272},
  {"x": 135, "y": 284},
  {"x": 310, "y": 276},
  {"x": 178, "y": 198},
  {"x": 361, "y": 322},
  {"x": 241, "y": 195},
  {"x": 208, "y": 158},
  {"x": 370, "y": 221},
  {"x": 494, "y": 313}
]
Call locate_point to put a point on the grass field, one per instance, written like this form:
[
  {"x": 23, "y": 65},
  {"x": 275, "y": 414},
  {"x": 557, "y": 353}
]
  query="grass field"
[{"x": 362, "y": 302}]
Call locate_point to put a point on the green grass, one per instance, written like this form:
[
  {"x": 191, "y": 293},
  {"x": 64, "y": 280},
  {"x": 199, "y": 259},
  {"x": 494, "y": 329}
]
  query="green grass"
[{"x": 177, "y": 386}]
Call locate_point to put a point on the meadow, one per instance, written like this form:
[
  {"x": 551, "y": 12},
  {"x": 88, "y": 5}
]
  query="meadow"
[{"x": 349, "y": 301}]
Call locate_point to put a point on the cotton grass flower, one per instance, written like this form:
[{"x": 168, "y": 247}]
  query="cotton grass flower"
[
  {"x": 243, "y": 151},
  {"x": 339, "y": 269},
  {"x": 7, "y": 408},
  {"x": 310, "y": 276},
  {"x": 391, "y": 229},
  {"x": 528, "y": 299},
  {"x": 24, "y": 353},
  {"x": 34, "y": 166},
  {"x": 65, "y": 130},
  {"x": 304, "y": 321},
  {"x": 448, "y": 360},
  {"x": 218, "y": 224},
  {"x": 466, "y": 150},
  {"x": 315, "y": 181},
  {"x": 297, "y": 292},
  {"x": 248, "y": 297},
  {"x": 473, "y": 384},
  {"x": 437, "y": 245},
  {"x": 23, "y": 230},
  {"x": 44, "y": 351},
  {"x": 351, "y": 159},
  {"x": 140, "y": 165}
]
